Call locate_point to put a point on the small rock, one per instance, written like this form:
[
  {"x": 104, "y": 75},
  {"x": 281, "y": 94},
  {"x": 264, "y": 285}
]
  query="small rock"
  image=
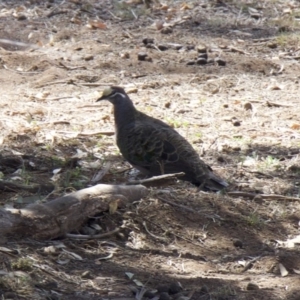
[
  {"x": 252, "y": 286},
  {"x": 174, "y": 288},
  {"x": 203, "y": 55},
  {"x": 235, "y": 122},
  {"x": 175, "y": 46},
  {"x": 166, "y": 30},
  {"x": 221, "y": 159},
  {"x": 21, "y": 18},
  {"x": 272, "y": 45},
  {"x": 163, "y": 288},
  {"x": 201, "y": 61},
  {"x": 164, "y": 296},
  {"x": 125, "y": 55},
  {"x": 147, "y": 41},
  {"x": 220, "y": 62},
  {"x": 248, "y": 106},
  {"x": 162, "y": 47},
  {"x": 89, "y": 57},
  {"x": 168, "y": 104},
  {"x": 142, "y": 56},
  {"x": 204, "y": 290},
  {"x": 87, "y": 275},
  {"x": 190, "y": 63},
  {"x": 201, "y": 49},
  {"x": 225, "y": 105},
  {"x": 150, "y": 294},
  {"x": 190, "y": 47},
  {"x": 159, "y": 24},
  {"x": 238, "y": 243}
]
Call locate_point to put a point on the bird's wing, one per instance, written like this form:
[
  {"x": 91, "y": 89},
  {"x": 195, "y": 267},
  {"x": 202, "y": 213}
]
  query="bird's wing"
[{"x": 147, "y": 145}]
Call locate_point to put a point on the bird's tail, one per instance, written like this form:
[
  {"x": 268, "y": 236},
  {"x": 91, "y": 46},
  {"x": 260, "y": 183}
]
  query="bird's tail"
[{"x": 212, "y": 183}]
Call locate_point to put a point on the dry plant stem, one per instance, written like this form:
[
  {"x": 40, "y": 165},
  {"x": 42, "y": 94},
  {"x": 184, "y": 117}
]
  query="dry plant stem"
[
  {"x": 155, "y": 178},
  {"x": 108, "y": 133},
  {"x": 67, "y": 213},
  {"x": 95, "y": 84},
  {"x": 262, "y": 196},
  {"x": 96, "y": 236},
  {"x": 189, "y": 209},
  {"x": 153, "y": 235},
  {"x": 35, "y": 188}
]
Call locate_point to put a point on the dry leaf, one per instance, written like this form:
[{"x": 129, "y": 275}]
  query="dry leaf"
[
  {"x": 95, "y": 24},
  {"x": 113, "y": 206},
  {"x": 283, "y": 271},
  {"x": 295, "y": 126}
]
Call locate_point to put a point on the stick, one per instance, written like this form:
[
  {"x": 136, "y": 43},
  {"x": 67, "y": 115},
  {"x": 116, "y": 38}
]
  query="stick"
[{"x": 155, "y": 178}]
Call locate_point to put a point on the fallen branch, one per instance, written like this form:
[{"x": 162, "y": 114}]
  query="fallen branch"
[{"x": 67, "y": 213}]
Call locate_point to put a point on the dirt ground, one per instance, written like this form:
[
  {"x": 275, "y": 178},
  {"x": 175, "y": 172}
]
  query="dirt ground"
[{"x": 226, "y": 75}]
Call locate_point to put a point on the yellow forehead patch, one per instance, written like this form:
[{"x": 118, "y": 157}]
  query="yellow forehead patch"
[{"x": 107, "y": 91}]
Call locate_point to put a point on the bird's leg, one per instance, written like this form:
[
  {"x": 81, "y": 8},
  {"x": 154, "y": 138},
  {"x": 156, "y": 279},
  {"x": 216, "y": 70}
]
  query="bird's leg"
[
  {"x": 201, "y": 186},
  {"x": 161, "y": 166}
]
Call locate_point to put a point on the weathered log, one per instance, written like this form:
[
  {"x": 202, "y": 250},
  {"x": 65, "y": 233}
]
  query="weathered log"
[{"x": 67, "y": 213}]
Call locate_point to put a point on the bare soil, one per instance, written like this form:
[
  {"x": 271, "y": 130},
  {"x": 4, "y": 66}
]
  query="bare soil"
[{"x": 240, "y": 110}]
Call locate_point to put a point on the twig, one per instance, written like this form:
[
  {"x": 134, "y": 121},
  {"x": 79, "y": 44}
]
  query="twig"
[
  {"x": 134, "y": 14},
  {"x": 96, "y": 236},
  {"x": 35, "y": 188},
  {"x": 15, "y": 43},
  {"x": 72, "y": 68},
  {"x": 117, "y": 18},
  {"x": 70, "y": 81},
  {"x": 108, "y": 133},
  {"x": 21, "y": 72},
  {"x": 262, "y": 196},
  {"x": 155, "y": 178},
  {"x": 100, "y": 174},
  {"x": 188, "y": 208},
  {"x": 153, "y": 235},
  {"x": 234, "y": 49},
  {"x": 95, "y": 84},
  {"x": 58, "y": 12},
  {"x": 273, "y": 104}
]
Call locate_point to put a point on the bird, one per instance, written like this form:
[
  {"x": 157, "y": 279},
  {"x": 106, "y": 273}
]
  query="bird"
[{"x": 155, "y": 148}]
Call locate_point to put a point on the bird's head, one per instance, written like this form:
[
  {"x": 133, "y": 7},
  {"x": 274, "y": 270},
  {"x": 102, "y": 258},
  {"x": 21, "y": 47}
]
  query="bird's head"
[{"x": 114, "y": 94}]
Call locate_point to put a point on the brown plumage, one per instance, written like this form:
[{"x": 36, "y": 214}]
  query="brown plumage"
[{"x": 153, "y": 147}]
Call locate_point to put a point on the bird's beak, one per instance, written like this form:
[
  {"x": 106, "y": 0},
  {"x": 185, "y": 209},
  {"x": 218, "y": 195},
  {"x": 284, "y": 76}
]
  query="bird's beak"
[{"x": 100, "y": 97}]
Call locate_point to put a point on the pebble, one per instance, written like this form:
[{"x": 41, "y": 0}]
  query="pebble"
[
  {"x": 163, "y": 288},
  {"x": 201, "y": 61},
  {"x": 220, "y": 62},
  {"x": 147, "y": 41},
  {"x": 201, "y": 49},
  {"x": 21, "y": 18},
  {"x": 203, "y": 55},
  {"x": 166, "y": 30},
  {"x": 162, "y": 47},
  {"x": 174, "y": 288},
  {"x": 164, "y": 296},
  {"x": 190, "y": 63},
  {"x": 142, "y": 56},
  {"x": 238, "y": 243},
  {"x": 89, "y": 57},
  {"x": 248, "y": 106},
  {"x": 252, "y": 287}
]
